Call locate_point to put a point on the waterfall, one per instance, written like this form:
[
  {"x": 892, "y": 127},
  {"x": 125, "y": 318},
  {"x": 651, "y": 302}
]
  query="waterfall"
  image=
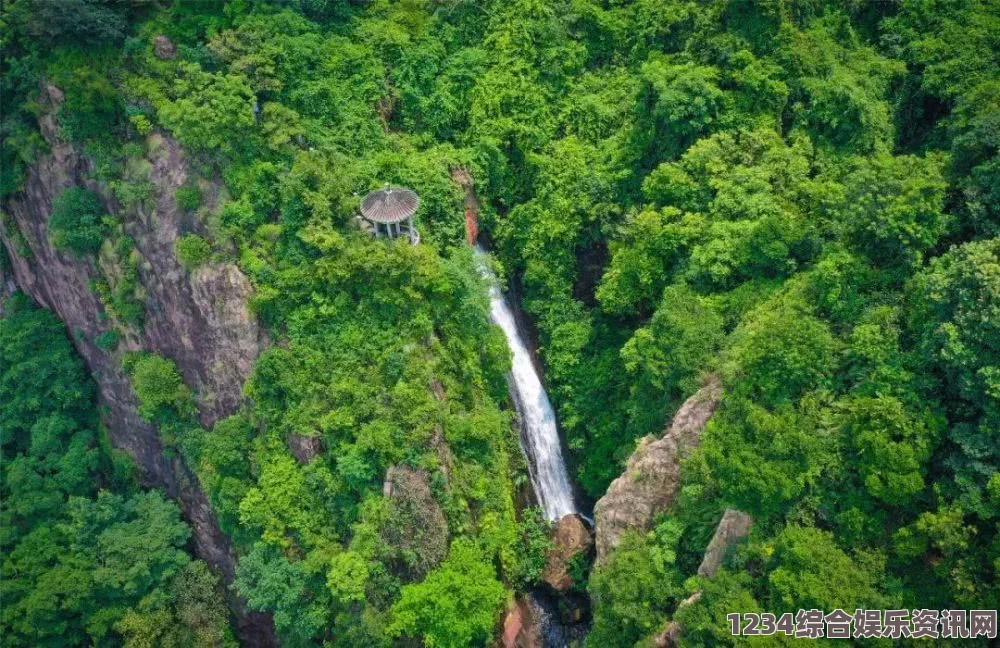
[{"x": 539, "y": 435}]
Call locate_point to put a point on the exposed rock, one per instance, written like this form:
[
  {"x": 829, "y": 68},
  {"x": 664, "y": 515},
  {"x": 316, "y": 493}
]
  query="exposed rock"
[
  {"x": 463, "y": 178},
  {"x": 7, "y": 284},
  {"x": 570, "y": 537},
  {"x": 441, "y": 448},
  {"x": 305, "y": 448},
  {"x": 417, "y": 527},
  {"x": 520, "y": 626},
  {"x": 164, "y": 48},
  {"x": 200, "y": 322},
  {"x": 558, "y": 622},
  {"x": 672, "y": 633},
  {"x": 651, "y": 479},
  {"x": 733, "y": 527},
  {"x": 386, "y": 106}
]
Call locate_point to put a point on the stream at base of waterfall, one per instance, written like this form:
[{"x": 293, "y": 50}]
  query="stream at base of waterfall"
[{"x": 539, "y": 434}]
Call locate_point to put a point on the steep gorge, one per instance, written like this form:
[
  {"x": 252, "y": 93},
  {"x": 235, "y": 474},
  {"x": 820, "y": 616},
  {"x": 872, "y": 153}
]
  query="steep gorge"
[{"x": 201, "y": 321}]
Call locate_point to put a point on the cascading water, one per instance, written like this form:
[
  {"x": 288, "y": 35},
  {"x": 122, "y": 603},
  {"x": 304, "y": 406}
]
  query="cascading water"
[{"x": 539, "y": 436}]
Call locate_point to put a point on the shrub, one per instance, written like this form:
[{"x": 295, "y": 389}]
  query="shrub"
[
  {"x": 76, "y": 223},
  {"x": 107, "y": 340},
  {"x": 192, "y": 251},
  {"x": 188, "y": 198},
  {"x": 133, "y": 191},
  {"x": 159, "y": 387}
]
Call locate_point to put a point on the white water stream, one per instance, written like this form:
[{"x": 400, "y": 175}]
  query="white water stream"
[{"x": 539, "y": 435}]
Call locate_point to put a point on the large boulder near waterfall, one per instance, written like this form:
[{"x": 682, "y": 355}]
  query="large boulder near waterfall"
[
  {"x": 570, "y": 538},
  {"x": 521, "y": 628},
  {"x": 651, "y": 479}
]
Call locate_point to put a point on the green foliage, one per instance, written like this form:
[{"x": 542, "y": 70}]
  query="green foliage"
[
  {"x": 77, "y": 223},
  {"x": 705, "y": 624},
  {"x": 780, "y": 352},
  {"x": 83, "y": 565},
  {"x": 160, "y": 389},
  {"x": 893, "y": 208},
  {"x": 456, "y": 605},
  {"x": 798, "y": 196},
  {"x": 955, "y": 320},
  {"x": 192, "y": 251},
  {"x": 188, "y": 198},
  {"x": 206, "y": 110},
  {"x": 47, "y": 416},
  {"x": 191, "y": 613},
  {"x": 89, "y": 21},
  {"x": 648, "y": 245},
  {"x": 536, "y": 542},
  {"x": 808, "y": 569},
  {"x": 108, "y": 340},
  {"x": 665, "y": 358},
  {"x": 634, "y": 589},
  {"x": 270, "y": 581},
  {"x": 119, "y": 288}
]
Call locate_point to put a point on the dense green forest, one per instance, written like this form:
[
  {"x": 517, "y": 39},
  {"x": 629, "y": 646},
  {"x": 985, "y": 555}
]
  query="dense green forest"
[
  {"x": 802, "y": 196},
  {"x": 85, "y": 553}
]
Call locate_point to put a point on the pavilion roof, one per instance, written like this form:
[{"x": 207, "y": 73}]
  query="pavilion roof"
[{"x": 389, "y": 205}]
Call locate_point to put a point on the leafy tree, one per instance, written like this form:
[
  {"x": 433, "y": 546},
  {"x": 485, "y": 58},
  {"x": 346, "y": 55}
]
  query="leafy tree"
[
  {"x": 634, "y": 589},
  {"x": 161, "y": 390},
  {"x": 205, "y": 110},
  {"x": 762, "y": 461},
  {"x": 893, "y": 208},
  {"x": 704, "y": 623},
  {"x": 781, "y": 352},
  {"x": 270, "y": 581},
  {"x": 955, "y": 320},
  {"x": 648, "y": 245},
  {"x": 456, "y": 605},
  {"x": 77, "y": 223},
  {"x": 808, "y": 570},
  {"x": 83, "y": 565},
  {"x": 192, "y": 251},
  {"x": 666, "y": 357},
  {"x": 93, "y": 22}
]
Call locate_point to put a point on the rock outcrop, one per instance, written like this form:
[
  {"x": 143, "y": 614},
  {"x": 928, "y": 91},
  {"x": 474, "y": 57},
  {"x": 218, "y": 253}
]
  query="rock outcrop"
[
  {"x": 570, "y": 538},
  {"x": 520, "y": 626},
  {"x": 305, "y": 448},
  {"x": 733, "y": 527},
  {"x": 417, "y": 527},
  {"x": 463, "y": 178},
  {"x": 164, "y": 48},
  {"x": 7, "y": 284},
  {"x": 651, "y": 479},
  {"x": 199, "y": 320}
]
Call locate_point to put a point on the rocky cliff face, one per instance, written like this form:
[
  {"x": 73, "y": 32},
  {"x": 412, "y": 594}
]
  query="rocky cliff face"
[
  {"x": 651, "y": 479},
  {"x": 200, "y": 320}
]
